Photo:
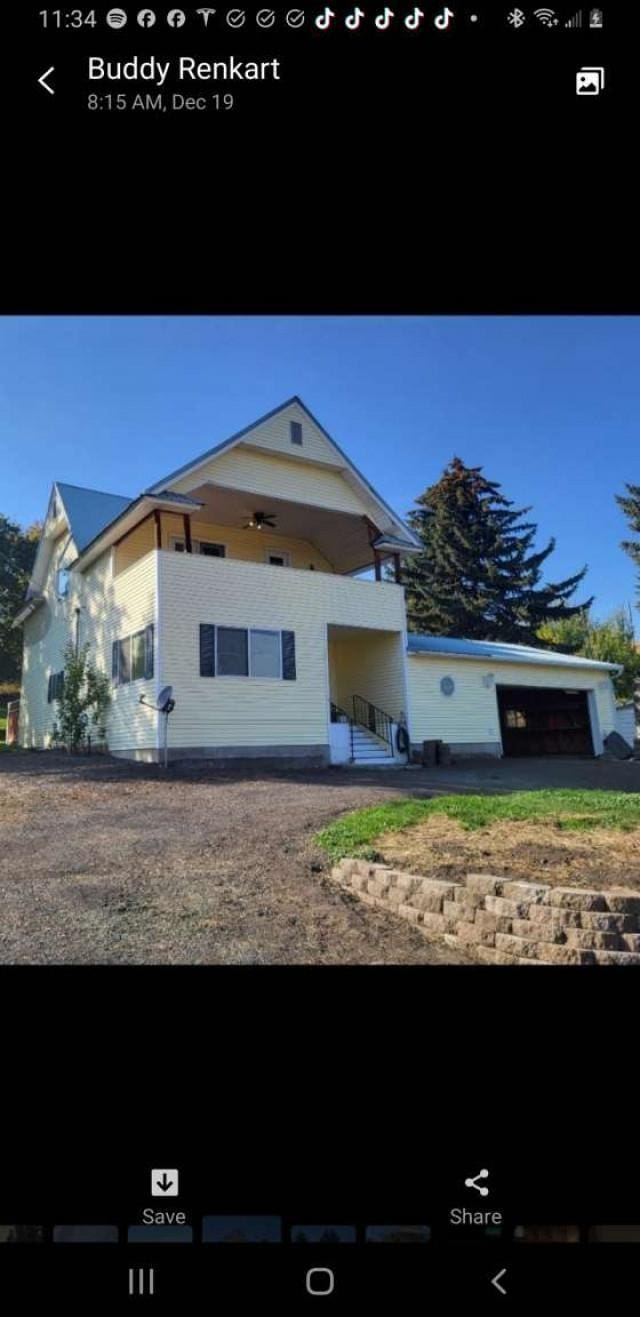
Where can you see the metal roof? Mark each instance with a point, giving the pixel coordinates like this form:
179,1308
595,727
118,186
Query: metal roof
89,511
497,652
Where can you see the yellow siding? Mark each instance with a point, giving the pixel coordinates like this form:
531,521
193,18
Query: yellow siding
109,609
45,635
275,434
276,477
470,715
126,605
370,665
141,540
241,711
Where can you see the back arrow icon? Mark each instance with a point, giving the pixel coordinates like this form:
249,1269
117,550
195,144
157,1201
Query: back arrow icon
497,1278
44,84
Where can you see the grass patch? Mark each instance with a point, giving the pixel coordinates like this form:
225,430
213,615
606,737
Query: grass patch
355,833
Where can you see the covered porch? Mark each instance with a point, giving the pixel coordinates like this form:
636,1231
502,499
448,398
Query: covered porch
368,694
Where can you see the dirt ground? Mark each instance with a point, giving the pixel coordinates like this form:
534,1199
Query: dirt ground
538,852
114,863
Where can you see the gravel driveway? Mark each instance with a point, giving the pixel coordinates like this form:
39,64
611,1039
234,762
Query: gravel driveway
108,862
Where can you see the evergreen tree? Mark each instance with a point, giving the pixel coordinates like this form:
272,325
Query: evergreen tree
609,641
630,504
478,575
17,555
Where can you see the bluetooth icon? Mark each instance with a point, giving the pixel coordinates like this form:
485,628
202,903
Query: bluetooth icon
516,18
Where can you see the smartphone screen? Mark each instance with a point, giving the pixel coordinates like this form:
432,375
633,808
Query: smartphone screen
319,657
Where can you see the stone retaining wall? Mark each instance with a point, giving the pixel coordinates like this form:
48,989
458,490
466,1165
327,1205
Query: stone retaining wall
500,922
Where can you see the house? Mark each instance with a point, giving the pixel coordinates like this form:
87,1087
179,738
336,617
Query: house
251,581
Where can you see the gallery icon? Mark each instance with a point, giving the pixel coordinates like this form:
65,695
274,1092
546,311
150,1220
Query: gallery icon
176,18
146,18
295,18
205,15
265,18
589,81
116,18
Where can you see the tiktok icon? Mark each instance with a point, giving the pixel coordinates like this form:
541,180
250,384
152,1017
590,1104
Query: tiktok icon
413,21
354,20
383,20
325,19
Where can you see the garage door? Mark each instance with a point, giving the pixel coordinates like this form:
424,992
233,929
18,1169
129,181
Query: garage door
539,720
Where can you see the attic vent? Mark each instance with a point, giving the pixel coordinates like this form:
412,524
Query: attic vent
296,433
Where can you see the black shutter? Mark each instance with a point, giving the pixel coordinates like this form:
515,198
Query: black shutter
124,660
50,689
289,655
148,651
115,661
207,650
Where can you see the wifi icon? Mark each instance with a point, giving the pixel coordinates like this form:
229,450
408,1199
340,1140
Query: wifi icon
546,16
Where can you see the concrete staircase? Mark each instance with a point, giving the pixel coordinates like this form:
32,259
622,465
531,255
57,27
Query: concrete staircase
368,750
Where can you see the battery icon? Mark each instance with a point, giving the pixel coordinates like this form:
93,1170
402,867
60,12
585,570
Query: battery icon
595,18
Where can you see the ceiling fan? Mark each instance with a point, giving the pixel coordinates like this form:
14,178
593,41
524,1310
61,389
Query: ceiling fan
260,519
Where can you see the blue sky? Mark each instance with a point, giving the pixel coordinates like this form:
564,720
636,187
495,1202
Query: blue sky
548,406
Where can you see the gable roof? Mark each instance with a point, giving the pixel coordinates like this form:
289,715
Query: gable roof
498,652
88,511
226,444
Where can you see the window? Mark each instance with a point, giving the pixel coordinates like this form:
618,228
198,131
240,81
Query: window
132,658
296,433
62,582
55,687
211,550
516,718
233,660
206,547
265,654
277,558
247,652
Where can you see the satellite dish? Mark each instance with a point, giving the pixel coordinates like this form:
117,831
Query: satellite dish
165,696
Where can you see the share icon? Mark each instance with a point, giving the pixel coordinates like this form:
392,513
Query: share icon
473,1183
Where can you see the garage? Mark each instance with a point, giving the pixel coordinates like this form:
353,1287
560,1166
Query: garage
542,720
492,698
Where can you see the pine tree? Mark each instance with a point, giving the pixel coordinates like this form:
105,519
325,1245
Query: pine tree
630,504
478,575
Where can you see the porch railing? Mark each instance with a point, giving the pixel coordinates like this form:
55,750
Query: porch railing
374,719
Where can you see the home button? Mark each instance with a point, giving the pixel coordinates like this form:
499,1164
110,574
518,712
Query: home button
320,1280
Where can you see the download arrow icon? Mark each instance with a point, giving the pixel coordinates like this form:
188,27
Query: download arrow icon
164,1184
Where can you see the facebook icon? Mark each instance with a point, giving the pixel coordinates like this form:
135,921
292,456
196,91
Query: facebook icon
146,18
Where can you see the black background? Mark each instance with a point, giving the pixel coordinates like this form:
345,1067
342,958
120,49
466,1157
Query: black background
462,180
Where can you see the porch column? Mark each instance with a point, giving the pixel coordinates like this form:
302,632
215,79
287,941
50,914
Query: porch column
186,521
398,567
158,520
377,564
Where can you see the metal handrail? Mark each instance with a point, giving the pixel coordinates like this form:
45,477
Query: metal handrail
374,719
